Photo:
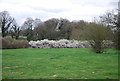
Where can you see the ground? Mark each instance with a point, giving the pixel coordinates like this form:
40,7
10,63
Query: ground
62,63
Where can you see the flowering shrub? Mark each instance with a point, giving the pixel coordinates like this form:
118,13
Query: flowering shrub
63,43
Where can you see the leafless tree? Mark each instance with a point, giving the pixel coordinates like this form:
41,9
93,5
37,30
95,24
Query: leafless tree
15,30
6,21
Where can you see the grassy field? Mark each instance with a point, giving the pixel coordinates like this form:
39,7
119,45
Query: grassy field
79,63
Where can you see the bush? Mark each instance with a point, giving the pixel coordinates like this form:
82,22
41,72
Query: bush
9,43
6,42
63,43
19,44
97,34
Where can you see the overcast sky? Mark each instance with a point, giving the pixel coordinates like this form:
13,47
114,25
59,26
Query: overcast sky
46,9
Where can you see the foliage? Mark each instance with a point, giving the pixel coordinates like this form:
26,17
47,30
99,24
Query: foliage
9,43
112,19
96,34
61,63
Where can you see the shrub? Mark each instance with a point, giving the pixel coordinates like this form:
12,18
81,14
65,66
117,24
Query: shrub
19,44
6,42
9,43
63,43
96,34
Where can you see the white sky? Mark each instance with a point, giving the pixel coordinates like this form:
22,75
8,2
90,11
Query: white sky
46,9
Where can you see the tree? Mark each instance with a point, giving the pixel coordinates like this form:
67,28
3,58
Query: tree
6,21
111,19
77,28
118,28
96,34
15,30
28,27
48,29
50,26
40,32
64,29
37,22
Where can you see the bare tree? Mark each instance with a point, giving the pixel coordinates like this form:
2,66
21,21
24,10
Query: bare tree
109,19
6,21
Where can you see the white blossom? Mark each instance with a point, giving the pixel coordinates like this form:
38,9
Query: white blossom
63,43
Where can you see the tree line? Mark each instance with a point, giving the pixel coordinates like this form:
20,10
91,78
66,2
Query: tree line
106,27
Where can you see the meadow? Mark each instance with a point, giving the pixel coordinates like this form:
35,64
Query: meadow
62,63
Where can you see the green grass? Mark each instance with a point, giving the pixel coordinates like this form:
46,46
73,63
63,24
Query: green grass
0,64
75,63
